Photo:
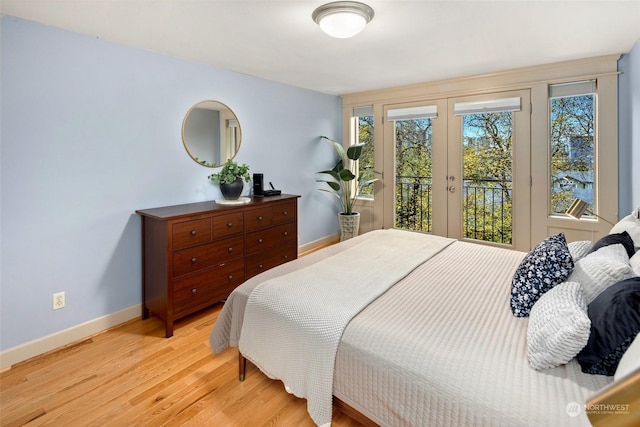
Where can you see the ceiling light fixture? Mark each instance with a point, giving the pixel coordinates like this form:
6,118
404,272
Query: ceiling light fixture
343,19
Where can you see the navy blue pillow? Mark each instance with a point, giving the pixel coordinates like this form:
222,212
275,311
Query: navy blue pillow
617,238
548,264
615,322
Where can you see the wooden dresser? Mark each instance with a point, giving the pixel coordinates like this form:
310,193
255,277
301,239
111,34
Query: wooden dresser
194,255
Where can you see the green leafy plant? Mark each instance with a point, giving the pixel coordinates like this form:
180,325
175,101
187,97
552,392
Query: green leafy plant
230,172
343,183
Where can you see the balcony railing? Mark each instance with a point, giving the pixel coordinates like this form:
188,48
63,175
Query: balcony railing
413,203
487,213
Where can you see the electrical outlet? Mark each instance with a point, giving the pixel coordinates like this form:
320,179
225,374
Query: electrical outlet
58,300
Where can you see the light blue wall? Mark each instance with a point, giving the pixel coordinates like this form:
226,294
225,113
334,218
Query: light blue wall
90,132
629,130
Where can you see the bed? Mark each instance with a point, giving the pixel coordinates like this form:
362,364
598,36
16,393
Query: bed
441,346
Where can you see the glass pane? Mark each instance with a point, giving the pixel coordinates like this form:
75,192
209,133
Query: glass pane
572,151
413,174
365,163
487,177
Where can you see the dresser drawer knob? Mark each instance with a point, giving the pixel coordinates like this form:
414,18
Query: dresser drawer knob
230,250
230,278
229,224
286,256
193,291
193,232
260,218
260,266
260,240
286,233
285,213
193,260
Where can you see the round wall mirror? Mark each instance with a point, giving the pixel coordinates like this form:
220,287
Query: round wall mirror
211,133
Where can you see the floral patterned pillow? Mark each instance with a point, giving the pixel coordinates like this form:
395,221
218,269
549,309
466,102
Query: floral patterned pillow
548,264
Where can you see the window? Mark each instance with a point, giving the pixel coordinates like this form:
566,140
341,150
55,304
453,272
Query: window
488,176
363,119
487,149
572,144
413,166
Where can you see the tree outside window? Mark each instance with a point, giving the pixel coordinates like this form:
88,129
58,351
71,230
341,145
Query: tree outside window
572,151
365,163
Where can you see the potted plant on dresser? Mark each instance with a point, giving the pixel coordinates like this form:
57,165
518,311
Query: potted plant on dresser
230,179
346,186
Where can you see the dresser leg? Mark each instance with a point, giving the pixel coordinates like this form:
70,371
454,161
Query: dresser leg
242,366
168,329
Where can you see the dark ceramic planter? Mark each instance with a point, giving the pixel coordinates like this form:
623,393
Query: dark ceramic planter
232,191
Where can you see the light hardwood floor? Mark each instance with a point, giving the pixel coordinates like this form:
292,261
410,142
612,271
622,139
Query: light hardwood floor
132,376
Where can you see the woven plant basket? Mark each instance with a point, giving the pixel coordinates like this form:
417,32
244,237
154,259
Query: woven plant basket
349,225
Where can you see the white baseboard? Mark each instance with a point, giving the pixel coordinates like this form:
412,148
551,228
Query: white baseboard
331,238
59,339
75,333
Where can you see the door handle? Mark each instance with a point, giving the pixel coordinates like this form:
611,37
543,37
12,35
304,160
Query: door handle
452,189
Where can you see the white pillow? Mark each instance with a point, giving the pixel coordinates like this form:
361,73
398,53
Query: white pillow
632,226
601,269
635,263
579,249
630,360
559,326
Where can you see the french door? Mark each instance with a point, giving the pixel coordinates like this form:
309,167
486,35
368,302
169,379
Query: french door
460,168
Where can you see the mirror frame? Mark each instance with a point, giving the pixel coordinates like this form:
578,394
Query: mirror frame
238,142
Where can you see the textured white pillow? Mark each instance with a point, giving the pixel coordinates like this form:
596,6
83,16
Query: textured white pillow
558,327
601,269
635,263
579,249
631,226
630,360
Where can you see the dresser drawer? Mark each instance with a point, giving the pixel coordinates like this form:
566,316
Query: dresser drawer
189,233
285,212
203,256
262,261
263,239
201,290
228,225
255,219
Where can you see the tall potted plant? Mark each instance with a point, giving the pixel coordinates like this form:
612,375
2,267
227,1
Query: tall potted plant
346,186
230,179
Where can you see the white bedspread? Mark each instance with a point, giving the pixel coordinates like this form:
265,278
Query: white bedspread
441,348
293,324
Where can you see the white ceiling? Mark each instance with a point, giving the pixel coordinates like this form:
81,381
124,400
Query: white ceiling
407,41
